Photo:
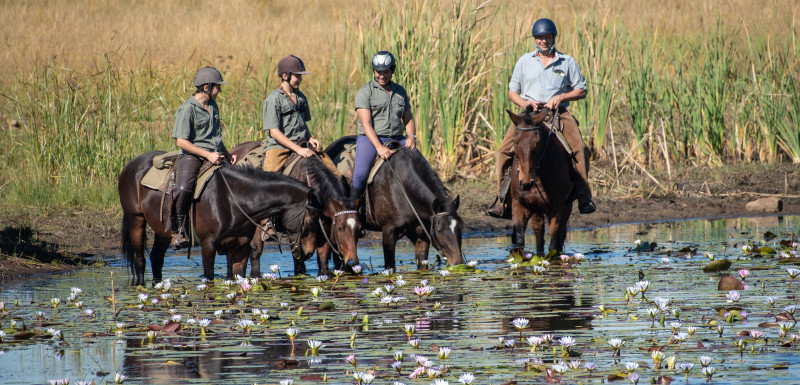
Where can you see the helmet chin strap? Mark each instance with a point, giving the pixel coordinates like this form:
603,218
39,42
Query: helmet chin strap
549,51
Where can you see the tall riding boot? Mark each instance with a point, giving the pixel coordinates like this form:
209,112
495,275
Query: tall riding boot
357,195
181,203
501,208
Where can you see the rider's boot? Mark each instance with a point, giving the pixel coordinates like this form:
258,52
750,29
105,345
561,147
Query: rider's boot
181,203
501,208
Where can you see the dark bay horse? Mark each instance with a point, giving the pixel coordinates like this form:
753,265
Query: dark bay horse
407,198
540,181
220,215
340,225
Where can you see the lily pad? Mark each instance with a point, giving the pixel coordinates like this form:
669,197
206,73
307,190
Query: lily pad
717,266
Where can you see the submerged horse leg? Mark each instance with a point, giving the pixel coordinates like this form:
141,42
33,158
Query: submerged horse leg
323,255
421,249
160,245
558,228
209,253
256,248
136,232
519,219
389,245
238,261
537,225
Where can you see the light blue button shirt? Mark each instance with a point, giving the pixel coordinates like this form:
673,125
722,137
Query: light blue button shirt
532,81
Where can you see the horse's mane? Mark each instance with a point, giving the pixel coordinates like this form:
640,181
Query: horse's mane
328,185
423,177
257,175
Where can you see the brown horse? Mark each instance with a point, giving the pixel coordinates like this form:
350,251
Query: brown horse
232,198
339,219
540,181
407,198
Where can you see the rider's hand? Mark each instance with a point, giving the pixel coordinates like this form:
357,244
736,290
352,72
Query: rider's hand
314,144
554,102
215,157
534,104
384,152
411,142
306,152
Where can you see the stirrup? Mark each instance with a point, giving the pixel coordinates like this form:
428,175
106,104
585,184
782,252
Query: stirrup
497,210
179,241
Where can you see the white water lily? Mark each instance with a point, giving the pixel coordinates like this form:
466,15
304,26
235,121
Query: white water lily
631,366
520,323
444,353
466,378
119,378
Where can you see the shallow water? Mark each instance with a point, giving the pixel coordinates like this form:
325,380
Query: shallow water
475,311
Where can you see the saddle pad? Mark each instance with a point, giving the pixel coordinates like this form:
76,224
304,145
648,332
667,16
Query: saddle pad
166,160
346,160
293,159
157,179
254,158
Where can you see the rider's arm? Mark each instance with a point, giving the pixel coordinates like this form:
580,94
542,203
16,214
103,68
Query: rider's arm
518,100
411,129
186,145
555,101
286,142
365,117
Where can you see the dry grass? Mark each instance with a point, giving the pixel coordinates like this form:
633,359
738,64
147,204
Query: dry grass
235,34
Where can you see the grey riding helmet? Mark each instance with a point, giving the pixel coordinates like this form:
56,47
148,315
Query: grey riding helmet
208,75
383,61
544,26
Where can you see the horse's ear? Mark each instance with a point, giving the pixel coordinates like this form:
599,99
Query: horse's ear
457,201
514,117
436,206
313,200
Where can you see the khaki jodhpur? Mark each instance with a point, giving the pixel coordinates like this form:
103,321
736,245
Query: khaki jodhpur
573,135
275,159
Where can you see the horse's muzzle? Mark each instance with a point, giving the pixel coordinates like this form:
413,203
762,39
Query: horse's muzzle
351,263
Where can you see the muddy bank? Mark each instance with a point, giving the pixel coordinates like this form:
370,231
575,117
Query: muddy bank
38,242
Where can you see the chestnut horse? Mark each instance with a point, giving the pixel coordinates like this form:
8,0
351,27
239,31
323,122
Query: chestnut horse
407,198
540,181
339,219
232,200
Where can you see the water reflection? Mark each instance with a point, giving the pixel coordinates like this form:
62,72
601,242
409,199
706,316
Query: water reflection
475,310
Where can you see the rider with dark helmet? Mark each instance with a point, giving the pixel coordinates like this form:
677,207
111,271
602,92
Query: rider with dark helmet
197,133
384,113
547,78
286,113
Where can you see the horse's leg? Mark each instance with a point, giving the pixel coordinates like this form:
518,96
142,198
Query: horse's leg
228,266
421,249
323,254
160,245
299,266
136,232
537,225
209,253
256,247
519,220
238,258
389,245
558,228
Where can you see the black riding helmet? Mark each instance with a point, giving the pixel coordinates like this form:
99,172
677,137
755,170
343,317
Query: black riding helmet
384,60
544,26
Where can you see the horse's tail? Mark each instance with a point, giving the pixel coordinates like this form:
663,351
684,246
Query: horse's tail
127,245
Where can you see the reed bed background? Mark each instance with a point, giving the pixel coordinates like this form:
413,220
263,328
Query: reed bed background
86,86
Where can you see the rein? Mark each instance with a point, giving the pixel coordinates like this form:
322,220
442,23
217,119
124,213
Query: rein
263,229
434,243
333,221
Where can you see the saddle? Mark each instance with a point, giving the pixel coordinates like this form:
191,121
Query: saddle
345,160
161,176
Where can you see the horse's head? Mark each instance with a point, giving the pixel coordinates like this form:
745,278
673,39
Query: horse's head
345,228
301,221
528,143
446,227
